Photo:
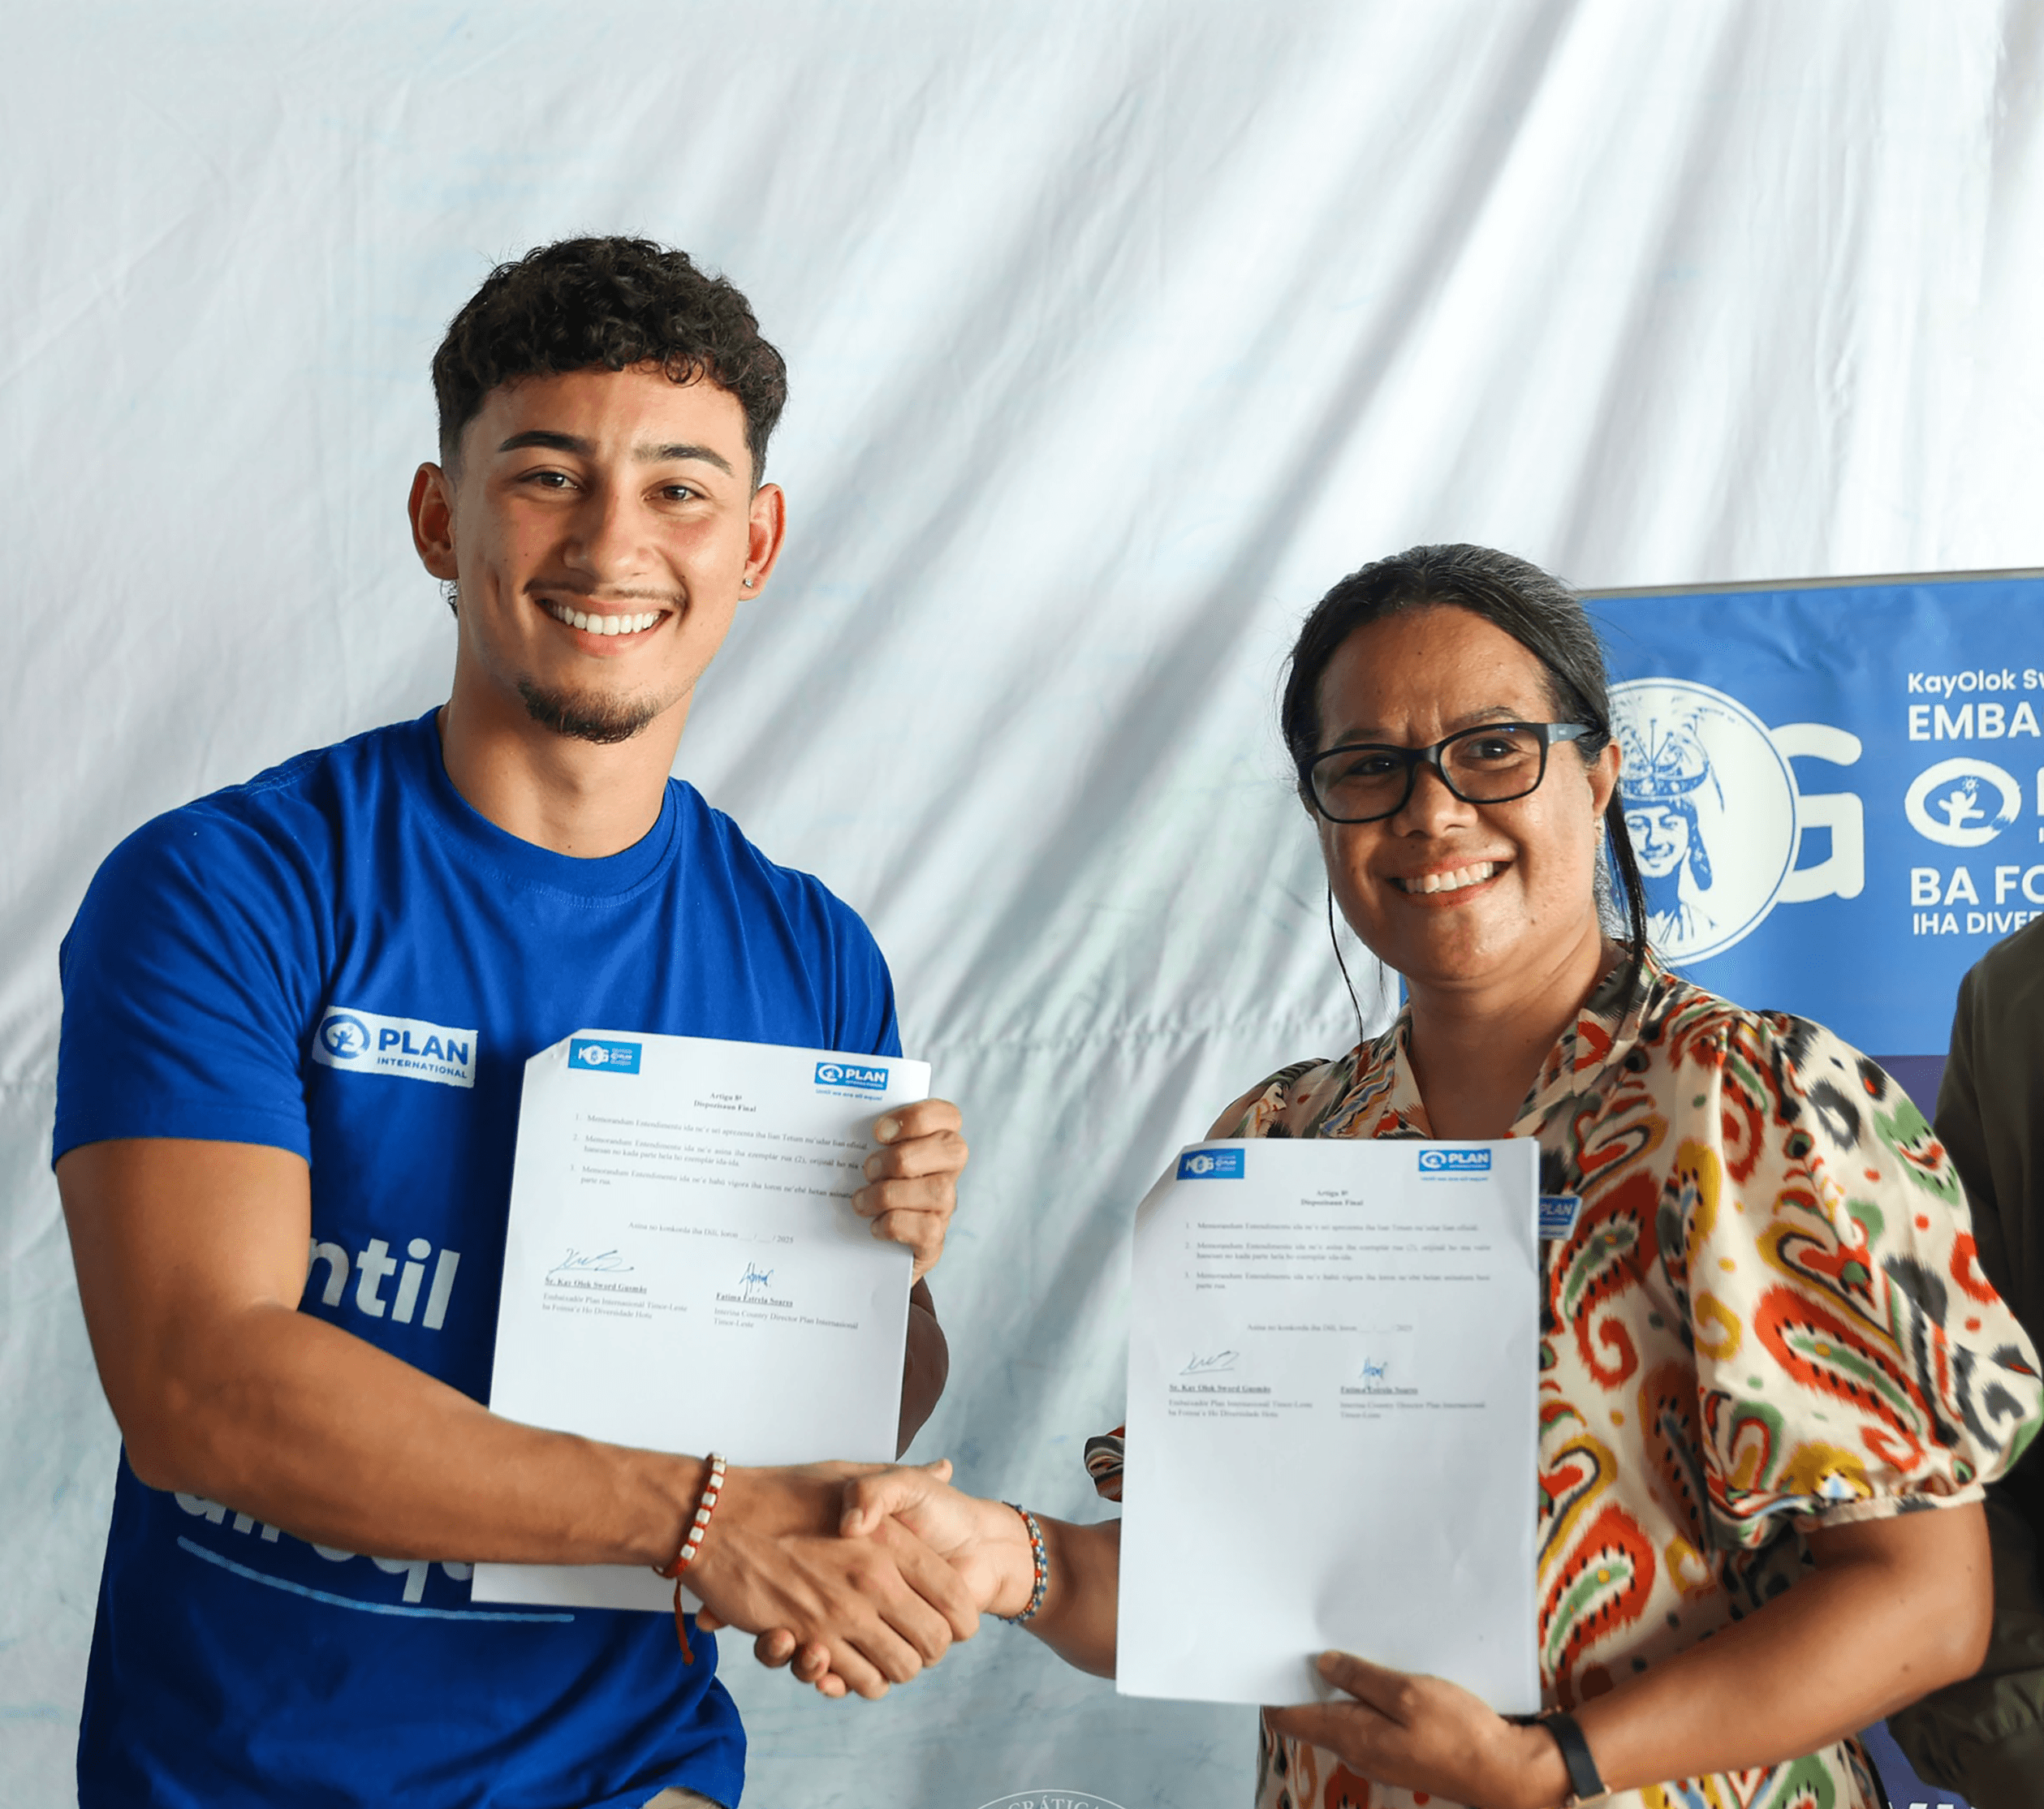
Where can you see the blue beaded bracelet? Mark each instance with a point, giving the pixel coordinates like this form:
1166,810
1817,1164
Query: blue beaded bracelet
1043,1567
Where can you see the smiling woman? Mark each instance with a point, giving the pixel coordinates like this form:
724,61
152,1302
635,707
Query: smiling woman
1752,1370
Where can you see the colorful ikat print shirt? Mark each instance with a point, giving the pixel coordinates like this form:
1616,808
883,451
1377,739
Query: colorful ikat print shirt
1768,1319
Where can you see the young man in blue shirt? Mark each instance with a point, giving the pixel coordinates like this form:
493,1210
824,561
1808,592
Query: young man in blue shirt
513,866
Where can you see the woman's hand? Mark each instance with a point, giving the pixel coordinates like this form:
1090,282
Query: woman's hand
985,1542
1425,1734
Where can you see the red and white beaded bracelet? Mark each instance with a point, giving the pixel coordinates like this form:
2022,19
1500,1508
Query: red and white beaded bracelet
705,1506
692,1543
1040,1563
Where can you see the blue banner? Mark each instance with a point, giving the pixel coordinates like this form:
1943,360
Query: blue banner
1836,792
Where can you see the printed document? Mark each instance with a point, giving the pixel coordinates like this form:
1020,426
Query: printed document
1333,1361
684,1271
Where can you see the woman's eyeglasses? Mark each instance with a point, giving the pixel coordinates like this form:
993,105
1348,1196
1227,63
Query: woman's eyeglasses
1363,781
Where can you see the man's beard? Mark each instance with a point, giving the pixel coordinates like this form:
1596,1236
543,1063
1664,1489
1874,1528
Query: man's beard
587,716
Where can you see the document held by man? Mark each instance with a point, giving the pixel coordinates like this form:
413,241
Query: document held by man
683,1269
1333,1365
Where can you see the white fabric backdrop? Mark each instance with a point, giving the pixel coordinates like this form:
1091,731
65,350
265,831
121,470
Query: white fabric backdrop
1117,332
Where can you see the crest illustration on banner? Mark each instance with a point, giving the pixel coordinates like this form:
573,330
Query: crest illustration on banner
1717,817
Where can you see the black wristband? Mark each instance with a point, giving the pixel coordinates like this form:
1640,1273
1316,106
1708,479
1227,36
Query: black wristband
1584,1781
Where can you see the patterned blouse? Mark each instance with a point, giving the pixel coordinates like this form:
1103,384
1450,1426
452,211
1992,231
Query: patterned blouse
1767,1319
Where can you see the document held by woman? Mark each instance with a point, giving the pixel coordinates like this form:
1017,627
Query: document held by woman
683,1270
1333,1365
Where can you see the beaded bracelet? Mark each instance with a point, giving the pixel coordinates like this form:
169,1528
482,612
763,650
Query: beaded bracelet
1041,1562
692,1543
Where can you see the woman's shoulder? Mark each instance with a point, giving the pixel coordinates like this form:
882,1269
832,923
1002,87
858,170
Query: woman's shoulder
1678,1011
1802,1068
1252,1113
1298,1098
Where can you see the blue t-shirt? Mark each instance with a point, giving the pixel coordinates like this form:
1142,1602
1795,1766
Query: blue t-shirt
341,957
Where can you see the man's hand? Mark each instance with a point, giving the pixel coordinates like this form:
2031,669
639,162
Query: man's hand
1425,1734
878,1608
911,1179
985,1543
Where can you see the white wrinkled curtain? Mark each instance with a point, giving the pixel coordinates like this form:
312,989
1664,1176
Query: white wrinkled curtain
1118,331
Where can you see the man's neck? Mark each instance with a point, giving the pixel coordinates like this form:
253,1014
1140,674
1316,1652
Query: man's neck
574,797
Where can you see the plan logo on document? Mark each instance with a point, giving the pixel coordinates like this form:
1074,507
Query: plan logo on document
851,1073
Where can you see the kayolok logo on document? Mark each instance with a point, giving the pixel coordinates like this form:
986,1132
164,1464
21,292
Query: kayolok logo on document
408,1048
851,1073
1211,1164
602,1056
1438,1163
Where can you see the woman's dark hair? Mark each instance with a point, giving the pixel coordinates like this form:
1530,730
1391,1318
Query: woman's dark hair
607,303
1539,611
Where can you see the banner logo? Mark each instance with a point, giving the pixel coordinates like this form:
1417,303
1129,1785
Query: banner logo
1950,803
1211,1164
1716,818
604,1057
848,1074
1908,830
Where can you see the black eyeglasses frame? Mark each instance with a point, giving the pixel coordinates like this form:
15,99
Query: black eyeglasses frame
1550,733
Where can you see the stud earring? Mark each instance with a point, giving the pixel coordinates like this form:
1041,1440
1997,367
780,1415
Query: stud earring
745,584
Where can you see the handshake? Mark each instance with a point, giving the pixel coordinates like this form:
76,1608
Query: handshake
858,1575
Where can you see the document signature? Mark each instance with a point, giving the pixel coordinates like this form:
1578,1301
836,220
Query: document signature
1376,1369
583,1262
1219,1363
756,1280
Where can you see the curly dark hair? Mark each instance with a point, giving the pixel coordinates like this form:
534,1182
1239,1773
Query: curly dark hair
585,304
1536,608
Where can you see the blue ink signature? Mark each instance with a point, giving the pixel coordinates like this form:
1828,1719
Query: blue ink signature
1215,1365
1375,1371
603,1262
755,1278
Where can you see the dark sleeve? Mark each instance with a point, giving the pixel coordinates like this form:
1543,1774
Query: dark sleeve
1962,1128
926,1365
189,981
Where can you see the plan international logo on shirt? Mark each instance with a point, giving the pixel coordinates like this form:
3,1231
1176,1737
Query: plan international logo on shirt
408,1048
